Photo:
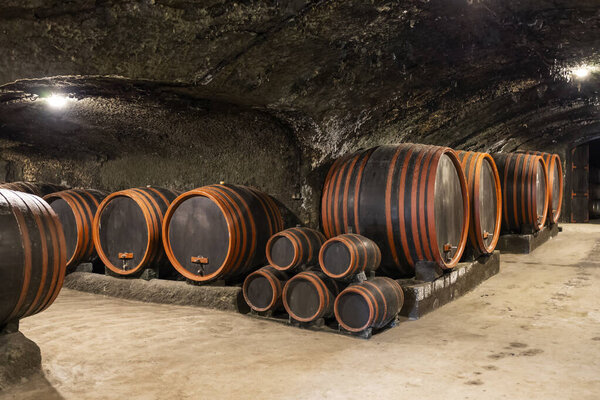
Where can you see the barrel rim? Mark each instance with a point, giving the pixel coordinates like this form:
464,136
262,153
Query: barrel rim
203,191
314,279
354,289
129,193
498,224
540,226
343,238
297,250
555,159
260,273
451,153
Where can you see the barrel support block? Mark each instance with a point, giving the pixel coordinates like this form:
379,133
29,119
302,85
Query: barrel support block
525,244
20,358
421,298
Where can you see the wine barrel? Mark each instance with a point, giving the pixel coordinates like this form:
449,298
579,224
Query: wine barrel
410,199
525,195
127,229
555,184
262,289
309,296
294,247
220,231
76,209
32,249
38,189
485,196
370,304
594,208
349,254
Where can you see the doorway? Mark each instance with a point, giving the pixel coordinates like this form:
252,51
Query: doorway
585,182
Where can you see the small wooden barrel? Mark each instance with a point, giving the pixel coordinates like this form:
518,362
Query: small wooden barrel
33,256
555,184
220,231
349,254
410,199
38,189
263,288
525,193
485,195
309,296
127,229
76,209
294,247
370,304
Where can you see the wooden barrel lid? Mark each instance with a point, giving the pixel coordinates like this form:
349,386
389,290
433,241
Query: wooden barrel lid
123,229
556,183
353,309
540,190
488,202
198,229
449,208
69,223
259,292
337,258
302,298
282,251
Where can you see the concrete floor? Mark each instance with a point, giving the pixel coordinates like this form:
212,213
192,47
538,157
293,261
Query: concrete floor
531,332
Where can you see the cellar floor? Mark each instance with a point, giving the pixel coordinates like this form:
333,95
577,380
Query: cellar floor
533,331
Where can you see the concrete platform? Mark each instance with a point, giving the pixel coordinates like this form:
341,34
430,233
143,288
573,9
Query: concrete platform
20,358
421,298
525,244
228,298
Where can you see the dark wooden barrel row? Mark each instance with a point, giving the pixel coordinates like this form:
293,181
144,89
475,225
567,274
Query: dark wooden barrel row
38,189
370,304
263,288
555,184
294,247
525,193
33,254
349,254
410,199
310,295
485,196
220,231
127,229
76,209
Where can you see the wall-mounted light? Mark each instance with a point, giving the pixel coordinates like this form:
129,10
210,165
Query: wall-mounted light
582,72
57,101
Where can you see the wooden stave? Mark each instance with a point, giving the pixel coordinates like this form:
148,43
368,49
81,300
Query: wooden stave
154,202
380,293
395,263
42,254
229,200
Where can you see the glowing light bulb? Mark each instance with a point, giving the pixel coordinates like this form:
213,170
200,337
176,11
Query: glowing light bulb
57,101
581,72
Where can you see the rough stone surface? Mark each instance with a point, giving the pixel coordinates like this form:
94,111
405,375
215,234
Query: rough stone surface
525,244
20,358
421,298
228,298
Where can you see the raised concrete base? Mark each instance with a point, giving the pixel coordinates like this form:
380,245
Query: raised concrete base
228,298
20,358
525,244
423,297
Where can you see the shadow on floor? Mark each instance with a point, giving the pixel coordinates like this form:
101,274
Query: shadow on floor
33,388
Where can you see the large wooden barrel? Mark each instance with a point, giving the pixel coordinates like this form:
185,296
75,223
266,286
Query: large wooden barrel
309,296
370,304
555,184
32,249
294,247
525,193
76,209
349,254
485,196
410,199
38,189
220,231
262,289
127,229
